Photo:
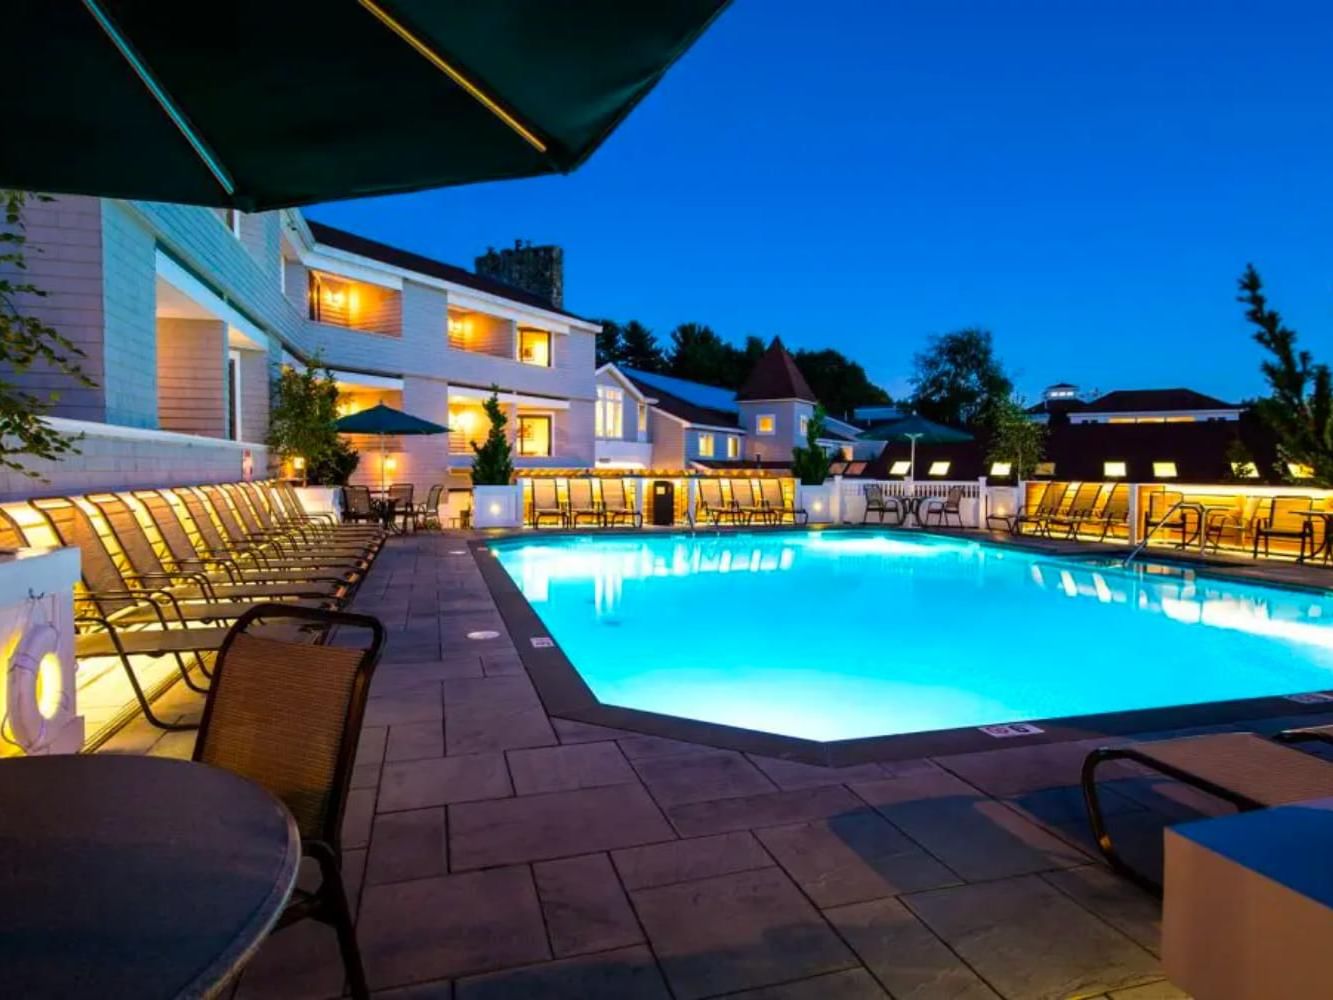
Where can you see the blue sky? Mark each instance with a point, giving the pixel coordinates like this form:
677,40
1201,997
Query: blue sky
1085,180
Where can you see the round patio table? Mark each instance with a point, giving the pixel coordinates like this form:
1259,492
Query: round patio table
127,876
912,509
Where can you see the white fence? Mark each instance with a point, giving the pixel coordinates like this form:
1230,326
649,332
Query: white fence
973,503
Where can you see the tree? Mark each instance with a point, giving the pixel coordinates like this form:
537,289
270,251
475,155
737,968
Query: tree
610,350
958,379
302,412
838,382
700,355
639,348
26,341
1015,437
1299,408
810,464
492,461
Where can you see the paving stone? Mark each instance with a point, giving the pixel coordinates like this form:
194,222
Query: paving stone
300,962
438,781
696,819
570,731
487,729
999,928
685,860
501,664
910,961
366,776
977,837
584,905
853,857
854,984
440,990
405,706
1162,990
795,774
554,825
445,927
700,777
1025,769
370,744
415,740
736,932
407,845
495,692
642,747
627,974
559,768
357,817
406,673
1118,901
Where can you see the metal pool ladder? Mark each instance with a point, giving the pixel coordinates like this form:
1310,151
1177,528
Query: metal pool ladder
1134,552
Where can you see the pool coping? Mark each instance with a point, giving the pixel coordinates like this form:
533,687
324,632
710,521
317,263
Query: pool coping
565,694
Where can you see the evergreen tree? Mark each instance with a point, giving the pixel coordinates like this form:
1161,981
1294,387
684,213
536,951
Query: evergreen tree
492,461
959,380
610,350
700,355
838,382
810,464
1299,408
639,348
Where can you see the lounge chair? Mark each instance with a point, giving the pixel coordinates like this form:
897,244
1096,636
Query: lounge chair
1038,515
1286,517
1113,513
945,507
744,500
583,502
288,717
1244,769
709,505
273,514
256,525
1083,505
618,504
546,503
776,505
880,503
1164,514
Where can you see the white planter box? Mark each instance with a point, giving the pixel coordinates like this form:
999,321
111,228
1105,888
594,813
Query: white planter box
497,506
819,502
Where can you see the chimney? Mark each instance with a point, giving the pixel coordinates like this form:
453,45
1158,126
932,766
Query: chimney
538,271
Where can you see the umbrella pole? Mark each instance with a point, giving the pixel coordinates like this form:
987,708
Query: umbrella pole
912,476
382,486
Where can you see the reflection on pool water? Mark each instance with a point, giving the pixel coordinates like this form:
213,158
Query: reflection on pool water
845,634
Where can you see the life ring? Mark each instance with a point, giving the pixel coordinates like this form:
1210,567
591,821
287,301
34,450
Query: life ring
26,719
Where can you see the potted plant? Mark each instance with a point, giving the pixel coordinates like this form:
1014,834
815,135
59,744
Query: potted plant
810,464
497,501
301,434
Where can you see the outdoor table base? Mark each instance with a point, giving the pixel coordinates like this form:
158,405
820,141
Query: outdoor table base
127,876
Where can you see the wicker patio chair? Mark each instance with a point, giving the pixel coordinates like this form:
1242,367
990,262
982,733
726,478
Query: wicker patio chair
945,507
879,502
546,503
357,507
288,717
770,495
583,502
619,505
1287,517
1244,769
400,496
427,515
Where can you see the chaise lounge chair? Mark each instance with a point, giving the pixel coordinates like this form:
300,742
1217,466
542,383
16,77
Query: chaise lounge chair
776,505
709,506
583,502
618,505
1048,505
744,500
546,503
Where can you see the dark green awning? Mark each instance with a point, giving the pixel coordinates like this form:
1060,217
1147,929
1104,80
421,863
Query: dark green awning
288,102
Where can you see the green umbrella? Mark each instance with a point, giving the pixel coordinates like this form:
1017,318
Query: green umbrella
380,419
916,428
253,104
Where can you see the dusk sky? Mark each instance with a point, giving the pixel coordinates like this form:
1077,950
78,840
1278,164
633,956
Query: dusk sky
1085,180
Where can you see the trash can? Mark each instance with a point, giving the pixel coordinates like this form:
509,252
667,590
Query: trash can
664,502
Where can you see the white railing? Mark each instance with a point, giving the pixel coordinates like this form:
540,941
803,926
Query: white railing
972,508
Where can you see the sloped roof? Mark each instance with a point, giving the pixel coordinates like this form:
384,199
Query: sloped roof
692,402
775,376
341,239
1138,400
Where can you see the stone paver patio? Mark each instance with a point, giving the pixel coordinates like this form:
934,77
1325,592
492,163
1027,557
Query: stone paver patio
494,852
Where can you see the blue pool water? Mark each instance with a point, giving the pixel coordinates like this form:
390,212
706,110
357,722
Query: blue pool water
846,634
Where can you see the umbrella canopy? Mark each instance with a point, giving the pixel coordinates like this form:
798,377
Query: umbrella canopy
916,428
380,419
256,105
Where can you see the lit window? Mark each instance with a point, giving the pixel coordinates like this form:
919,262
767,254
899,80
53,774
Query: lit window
1180,420
609,416
1113,470
733,447
900,468
1299,470
939,469
705,446
1001,468
459,328
643,419
1044,469
1164,470
534,436
805,426
534,347
1244,470
765,423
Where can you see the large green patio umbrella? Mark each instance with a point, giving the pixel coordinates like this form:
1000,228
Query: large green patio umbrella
256,104
916,428
385,420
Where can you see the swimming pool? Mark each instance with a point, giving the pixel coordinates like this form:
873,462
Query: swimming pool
845,634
